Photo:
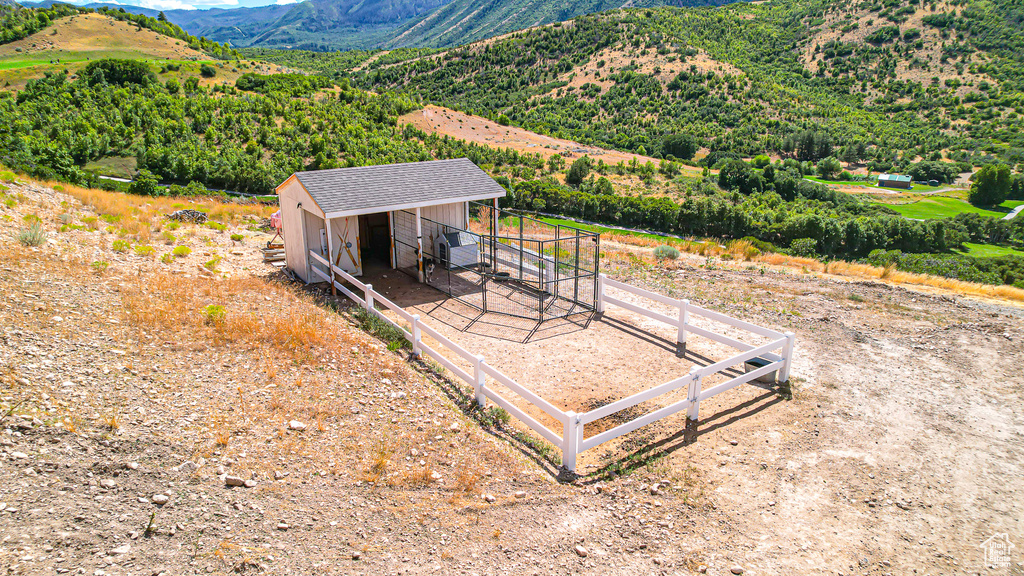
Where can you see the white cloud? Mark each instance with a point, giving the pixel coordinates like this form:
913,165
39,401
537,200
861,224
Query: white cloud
284,2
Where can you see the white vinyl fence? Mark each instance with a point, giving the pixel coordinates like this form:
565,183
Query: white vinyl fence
571,440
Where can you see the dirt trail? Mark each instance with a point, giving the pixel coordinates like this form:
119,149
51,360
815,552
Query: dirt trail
440,120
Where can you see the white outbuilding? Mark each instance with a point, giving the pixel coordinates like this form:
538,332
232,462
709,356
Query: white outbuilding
390,213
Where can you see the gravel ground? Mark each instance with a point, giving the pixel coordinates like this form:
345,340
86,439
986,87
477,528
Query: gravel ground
145,432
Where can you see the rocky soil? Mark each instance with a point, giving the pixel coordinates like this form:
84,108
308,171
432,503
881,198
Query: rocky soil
159,419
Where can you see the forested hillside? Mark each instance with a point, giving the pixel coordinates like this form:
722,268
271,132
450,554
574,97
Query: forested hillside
881,82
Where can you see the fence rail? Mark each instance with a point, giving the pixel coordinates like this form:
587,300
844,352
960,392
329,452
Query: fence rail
572,441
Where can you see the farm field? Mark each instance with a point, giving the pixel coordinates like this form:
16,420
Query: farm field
989,250
945,207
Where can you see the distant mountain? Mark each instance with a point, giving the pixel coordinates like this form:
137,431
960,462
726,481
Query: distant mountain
464,21
327,25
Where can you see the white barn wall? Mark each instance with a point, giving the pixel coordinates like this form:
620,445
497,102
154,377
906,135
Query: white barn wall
290,195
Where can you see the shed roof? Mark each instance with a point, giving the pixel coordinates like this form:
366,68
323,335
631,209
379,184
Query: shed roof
368,189
893,178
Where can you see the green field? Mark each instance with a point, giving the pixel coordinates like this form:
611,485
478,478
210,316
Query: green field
989,250
944,207
873,186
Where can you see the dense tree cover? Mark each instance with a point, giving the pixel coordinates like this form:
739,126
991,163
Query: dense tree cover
249,142
115,71
991,185
17,22
806,218
850,103
291,84
335,63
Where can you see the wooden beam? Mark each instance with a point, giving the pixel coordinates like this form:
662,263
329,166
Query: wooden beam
419,244
330,255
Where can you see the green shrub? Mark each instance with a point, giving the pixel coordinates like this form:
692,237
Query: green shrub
215,314
237,237
32,235
807,247
381,329
100,265
8,176
216,226
121,245
666,252
167,258
211,264
181,251
144,251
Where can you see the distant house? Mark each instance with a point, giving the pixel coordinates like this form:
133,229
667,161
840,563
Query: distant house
894,181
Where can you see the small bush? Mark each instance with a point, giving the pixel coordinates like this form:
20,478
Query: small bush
211,264
216,226
145,251
237,237
32,235
215,314
100,265
30,218
173,224
121,245
181,251
807,247
381,329
8,176
167,258
666,252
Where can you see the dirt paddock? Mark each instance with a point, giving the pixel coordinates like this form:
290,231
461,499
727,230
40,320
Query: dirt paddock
584,361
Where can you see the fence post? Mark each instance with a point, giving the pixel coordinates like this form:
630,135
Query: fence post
684,318
416,335
369,297
570,442
478,387
600,292
695,377
787,355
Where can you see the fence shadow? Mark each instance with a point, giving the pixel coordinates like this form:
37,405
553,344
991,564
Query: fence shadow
689,435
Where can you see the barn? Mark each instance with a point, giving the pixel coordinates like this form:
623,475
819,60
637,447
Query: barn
895,181
439,222
352,215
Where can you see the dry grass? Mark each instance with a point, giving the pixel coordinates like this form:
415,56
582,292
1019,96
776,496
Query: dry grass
140,217
741,250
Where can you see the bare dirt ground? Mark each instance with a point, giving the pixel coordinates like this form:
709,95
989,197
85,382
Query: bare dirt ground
440,120
898,451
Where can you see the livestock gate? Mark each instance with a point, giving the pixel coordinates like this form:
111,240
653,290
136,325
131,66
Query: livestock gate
504,262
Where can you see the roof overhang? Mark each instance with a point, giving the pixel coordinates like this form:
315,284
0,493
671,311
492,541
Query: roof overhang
424,204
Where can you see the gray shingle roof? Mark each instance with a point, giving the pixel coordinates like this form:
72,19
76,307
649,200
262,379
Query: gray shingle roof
365,188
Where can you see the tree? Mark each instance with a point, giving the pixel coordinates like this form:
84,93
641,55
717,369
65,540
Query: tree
207,71
991,185
145,184
829,167
931,170
578,171
161,17
682,146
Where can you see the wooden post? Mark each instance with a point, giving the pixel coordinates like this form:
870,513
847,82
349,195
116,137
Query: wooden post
570,441
419,245
787,355
391,231
684,318
416,335
695,380
480,377
330,255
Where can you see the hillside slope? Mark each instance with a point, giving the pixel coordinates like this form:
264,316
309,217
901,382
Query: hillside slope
876,82
84,36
